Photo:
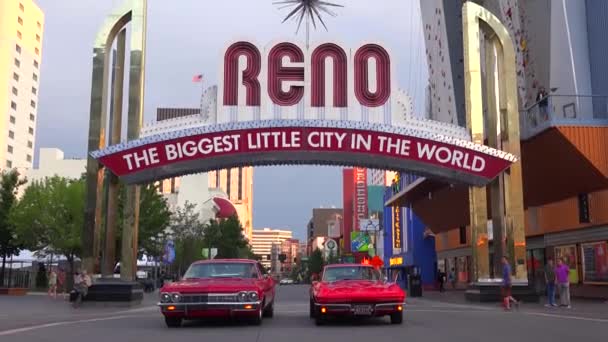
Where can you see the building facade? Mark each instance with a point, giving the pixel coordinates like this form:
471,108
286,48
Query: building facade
21,35
325,223
262,244
561,50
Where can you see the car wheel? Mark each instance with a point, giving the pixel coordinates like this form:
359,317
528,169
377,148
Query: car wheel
312,312
269,310
258,318
319,320
397,318
173,322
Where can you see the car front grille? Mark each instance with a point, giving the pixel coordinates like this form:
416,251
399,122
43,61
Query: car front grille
209,298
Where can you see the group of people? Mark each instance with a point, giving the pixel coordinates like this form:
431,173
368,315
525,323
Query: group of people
82,282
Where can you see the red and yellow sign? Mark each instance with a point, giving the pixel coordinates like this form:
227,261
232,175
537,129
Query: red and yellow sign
397,228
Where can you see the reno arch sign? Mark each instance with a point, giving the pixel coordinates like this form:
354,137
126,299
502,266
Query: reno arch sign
285,105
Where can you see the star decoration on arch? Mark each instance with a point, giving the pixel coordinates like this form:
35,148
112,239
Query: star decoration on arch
311,10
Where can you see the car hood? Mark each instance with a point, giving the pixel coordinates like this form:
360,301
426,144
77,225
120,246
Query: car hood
359,290
216,285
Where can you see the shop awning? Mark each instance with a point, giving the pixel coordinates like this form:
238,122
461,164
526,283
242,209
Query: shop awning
420,188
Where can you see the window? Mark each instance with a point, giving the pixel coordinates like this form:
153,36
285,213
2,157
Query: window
13,105
217,179
11,134
28,158
16,76
34,90
35,77
463,235
9,149
30,144
9,164
17,63
583,208
19,35
37,51
228,181
33,104
20,21
21,7
36,64
15,91
31,130
32,117
18,48
39,25
240,186
13,120
38,38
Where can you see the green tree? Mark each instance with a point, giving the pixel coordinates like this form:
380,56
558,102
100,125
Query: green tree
188,236
50,215
227,237
9,244
316,262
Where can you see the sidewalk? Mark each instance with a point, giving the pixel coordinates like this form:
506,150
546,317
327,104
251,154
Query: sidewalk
580,307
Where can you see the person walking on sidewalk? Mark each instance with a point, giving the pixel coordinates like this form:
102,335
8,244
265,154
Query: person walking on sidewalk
506,285
52,284
562,272
550,281
441,279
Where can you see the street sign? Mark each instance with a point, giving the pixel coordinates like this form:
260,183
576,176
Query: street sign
369,225
331,244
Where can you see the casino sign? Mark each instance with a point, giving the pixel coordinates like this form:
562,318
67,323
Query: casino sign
283,104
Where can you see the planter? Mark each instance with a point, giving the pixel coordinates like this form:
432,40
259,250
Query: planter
13,292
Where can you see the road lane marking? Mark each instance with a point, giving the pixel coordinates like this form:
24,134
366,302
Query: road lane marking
56,324
601,320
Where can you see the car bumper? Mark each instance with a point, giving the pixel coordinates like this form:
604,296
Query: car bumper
350,309
203,310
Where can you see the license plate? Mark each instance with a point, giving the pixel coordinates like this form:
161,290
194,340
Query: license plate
363,310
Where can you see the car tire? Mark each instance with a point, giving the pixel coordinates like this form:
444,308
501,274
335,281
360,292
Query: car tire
312,312
397,318
173,322
258,318
319,320
269,310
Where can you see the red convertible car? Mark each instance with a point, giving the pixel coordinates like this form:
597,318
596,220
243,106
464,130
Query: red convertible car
229,288
355,291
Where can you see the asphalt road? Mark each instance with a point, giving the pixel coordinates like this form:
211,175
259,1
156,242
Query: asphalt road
35,319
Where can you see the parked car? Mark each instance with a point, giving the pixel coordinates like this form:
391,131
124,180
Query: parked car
226,288
354,290
286,281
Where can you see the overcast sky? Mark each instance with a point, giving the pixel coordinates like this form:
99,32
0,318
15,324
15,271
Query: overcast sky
185,38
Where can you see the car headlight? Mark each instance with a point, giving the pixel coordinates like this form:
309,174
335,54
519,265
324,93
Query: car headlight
242,297
253,296
176,297
165,298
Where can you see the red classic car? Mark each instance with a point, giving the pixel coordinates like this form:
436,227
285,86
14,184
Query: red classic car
355,290
228,288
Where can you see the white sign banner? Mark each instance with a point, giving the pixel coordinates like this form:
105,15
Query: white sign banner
369,225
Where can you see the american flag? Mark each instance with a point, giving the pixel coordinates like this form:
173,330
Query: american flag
197,78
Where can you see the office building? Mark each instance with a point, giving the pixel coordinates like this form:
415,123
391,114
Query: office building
21,34
263,240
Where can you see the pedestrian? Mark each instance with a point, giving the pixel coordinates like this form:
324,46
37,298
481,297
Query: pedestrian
52,292
507,284
61,282
441,279
550,281
81,286
562,275
452,278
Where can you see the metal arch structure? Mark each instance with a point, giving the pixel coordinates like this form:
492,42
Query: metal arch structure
507,190
103,146
133,12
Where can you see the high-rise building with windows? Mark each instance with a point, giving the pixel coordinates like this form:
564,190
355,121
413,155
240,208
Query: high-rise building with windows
21,33
263,241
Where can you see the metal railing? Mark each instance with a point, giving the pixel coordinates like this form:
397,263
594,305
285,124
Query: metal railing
564,110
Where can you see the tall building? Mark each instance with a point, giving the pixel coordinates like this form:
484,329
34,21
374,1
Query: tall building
238,184
381,177
263,240
559,47
21,33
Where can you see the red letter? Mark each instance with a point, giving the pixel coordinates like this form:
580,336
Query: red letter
277,74
383,76
340,78
250,74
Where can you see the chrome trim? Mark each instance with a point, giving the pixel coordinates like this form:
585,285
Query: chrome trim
210,304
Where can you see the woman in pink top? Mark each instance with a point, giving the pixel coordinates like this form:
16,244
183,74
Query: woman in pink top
562,273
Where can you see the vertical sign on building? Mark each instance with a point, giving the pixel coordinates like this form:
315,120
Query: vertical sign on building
397,243
360,203
348,197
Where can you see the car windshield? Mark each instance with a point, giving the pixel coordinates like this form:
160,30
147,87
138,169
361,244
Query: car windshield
221,270
350,273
